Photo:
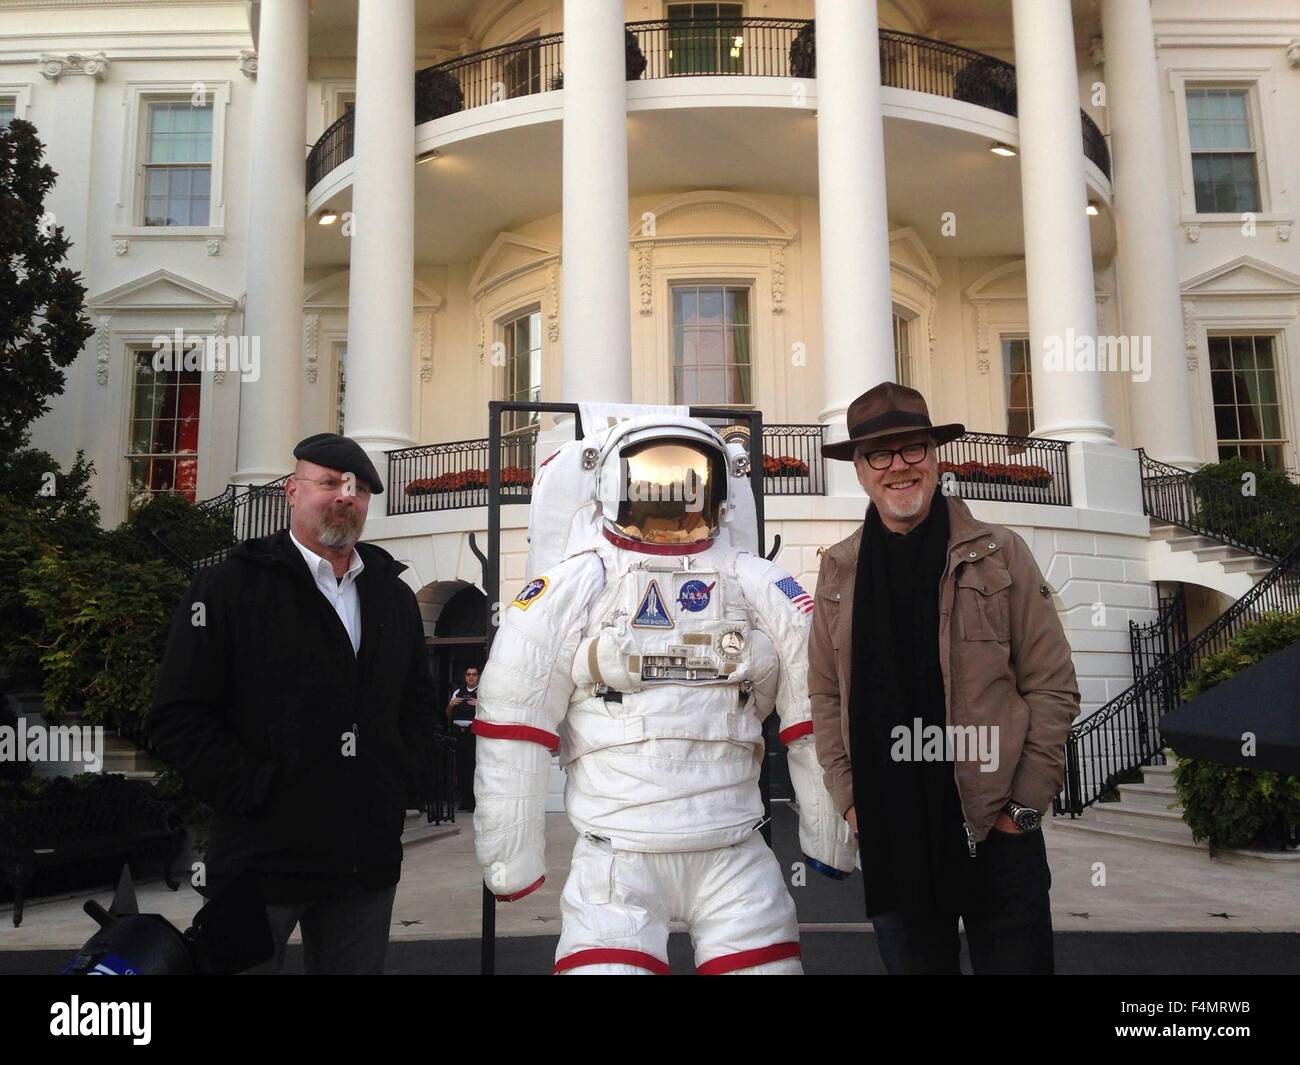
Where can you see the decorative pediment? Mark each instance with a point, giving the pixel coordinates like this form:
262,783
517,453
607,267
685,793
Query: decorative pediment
1244,276
331,293
508,256
1005,282
161,291
910,256
709,217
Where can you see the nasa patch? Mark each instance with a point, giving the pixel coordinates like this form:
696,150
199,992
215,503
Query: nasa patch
530,593
695,595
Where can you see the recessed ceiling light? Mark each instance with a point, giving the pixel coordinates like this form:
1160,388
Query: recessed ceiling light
326,218
998,148
1093,209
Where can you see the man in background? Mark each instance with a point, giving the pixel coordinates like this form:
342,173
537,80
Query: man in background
460,711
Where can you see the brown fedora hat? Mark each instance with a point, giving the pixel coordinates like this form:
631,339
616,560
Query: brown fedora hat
888,410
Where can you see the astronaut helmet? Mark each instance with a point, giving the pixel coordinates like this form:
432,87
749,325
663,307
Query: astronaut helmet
664,484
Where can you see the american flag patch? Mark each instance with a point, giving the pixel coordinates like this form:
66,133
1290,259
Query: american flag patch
791,590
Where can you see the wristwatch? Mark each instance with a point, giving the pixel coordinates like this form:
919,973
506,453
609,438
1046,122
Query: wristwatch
1026,817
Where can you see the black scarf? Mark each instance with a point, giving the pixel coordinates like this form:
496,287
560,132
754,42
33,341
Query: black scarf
908,813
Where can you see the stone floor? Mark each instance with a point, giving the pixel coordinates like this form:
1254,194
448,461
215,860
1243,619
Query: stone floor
1100,884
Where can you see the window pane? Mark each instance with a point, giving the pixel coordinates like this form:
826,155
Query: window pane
684,306
1220,353
1221,386
710,347
1270,422
1225,423
710,306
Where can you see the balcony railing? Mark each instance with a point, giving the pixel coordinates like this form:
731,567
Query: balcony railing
1007,469
988,466
671,48
454,475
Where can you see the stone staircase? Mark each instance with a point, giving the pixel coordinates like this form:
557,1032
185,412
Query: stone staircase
1233,560
123,756
1151,813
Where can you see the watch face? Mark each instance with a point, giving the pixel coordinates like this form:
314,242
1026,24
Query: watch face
1027,820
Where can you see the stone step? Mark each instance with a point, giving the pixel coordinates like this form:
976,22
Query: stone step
1159,774
1121,813
1253,565
1167,836
1160,834
1150,796
1186,541
1164,530
1221,553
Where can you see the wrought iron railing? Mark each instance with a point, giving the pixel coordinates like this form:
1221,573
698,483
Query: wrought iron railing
333,148
792,460
1125,733
669,48
1008,469
244,511
1152,643
1266,527
454,475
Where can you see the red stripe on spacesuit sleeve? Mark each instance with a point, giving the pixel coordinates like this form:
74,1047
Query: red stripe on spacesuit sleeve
787,736
613,956
491,731
515,895
746,959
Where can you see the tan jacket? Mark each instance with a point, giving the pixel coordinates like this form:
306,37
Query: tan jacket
1004,657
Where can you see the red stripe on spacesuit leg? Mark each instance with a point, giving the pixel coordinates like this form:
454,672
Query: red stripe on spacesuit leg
491,731
746,959
516,895
787,736
613,956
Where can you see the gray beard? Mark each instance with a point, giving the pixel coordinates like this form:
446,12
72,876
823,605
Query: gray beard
337,536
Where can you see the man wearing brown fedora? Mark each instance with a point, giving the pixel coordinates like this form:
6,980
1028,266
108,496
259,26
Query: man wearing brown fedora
942,692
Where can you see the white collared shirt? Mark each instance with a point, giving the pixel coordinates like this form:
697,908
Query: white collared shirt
341,593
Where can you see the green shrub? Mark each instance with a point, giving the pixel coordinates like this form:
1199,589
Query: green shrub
1268,520
1232,806
102,631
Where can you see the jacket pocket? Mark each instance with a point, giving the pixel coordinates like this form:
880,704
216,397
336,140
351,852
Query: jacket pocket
984,602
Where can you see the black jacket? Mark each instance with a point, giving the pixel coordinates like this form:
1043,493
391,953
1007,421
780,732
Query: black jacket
255,705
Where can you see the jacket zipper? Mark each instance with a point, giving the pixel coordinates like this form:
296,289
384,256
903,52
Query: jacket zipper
965,825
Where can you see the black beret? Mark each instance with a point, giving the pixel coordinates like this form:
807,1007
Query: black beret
340,453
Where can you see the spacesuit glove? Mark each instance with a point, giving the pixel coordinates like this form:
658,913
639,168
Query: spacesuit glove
603,659
825,837
509,815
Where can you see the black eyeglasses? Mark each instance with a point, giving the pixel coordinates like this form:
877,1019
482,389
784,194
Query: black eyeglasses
883,458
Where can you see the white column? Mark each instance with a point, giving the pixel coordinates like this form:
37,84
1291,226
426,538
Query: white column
595,316
1147,263
1068,403
857,331
268,407
377,412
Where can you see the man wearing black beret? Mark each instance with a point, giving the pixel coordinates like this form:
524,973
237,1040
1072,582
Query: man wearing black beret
295,699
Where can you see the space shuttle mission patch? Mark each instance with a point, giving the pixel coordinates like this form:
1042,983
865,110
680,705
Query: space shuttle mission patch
530,593
652,614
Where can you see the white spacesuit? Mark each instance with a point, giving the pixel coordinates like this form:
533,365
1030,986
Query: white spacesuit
648,650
